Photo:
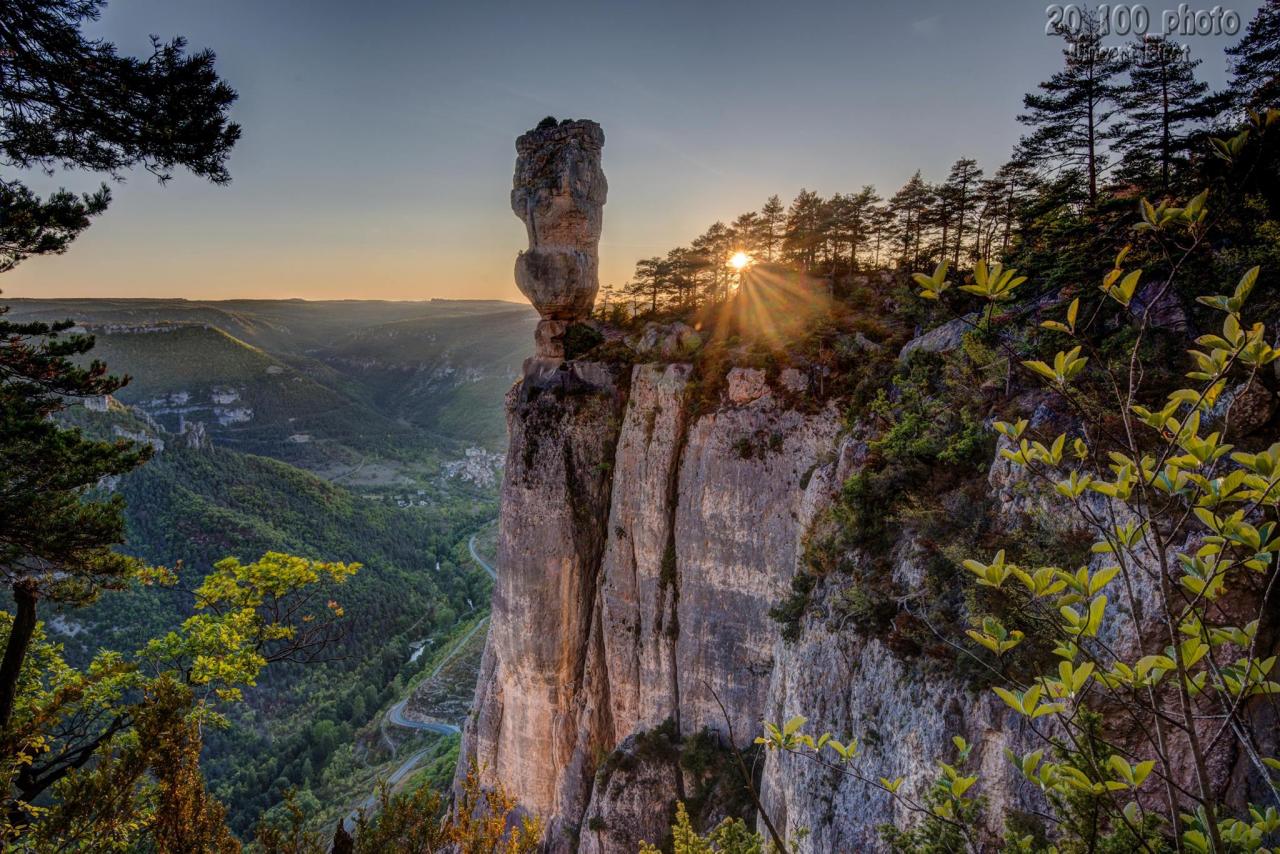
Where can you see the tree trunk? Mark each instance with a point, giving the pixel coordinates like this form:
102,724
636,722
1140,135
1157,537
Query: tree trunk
946,220
1092,155
15,651
1165,145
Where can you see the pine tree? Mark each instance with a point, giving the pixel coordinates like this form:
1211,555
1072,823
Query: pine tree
1255,60
840,226
683,267
1071,116
746,233
803,234
940,215
652,280
1000,197
772,217
72,102
1163,105
863,217
959,190
910,205
847,226
68,101
55,539
882,224
714,246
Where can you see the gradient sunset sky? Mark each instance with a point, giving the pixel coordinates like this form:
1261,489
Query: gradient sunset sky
379,137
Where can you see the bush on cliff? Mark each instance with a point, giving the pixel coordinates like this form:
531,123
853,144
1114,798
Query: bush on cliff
1162,667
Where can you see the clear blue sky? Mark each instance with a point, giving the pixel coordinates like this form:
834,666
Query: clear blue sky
379,136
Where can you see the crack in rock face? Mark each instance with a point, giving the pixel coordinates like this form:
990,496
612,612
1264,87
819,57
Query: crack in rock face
559,192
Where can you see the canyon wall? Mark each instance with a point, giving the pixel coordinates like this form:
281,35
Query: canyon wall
645,535
656,511
650,521
642,546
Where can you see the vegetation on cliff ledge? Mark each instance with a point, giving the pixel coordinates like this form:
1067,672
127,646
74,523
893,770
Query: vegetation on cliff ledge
1113,346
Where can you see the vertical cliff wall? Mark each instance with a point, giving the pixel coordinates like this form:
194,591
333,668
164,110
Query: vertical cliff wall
648,526
645,535
642,546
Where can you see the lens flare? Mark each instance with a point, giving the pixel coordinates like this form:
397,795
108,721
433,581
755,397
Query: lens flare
740,261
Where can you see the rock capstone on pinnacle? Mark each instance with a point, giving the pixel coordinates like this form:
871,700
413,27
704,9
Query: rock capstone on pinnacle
559,192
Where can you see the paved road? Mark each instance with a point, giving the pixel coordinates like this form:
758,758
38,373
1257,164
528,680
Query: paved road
395,715
399,774
471,546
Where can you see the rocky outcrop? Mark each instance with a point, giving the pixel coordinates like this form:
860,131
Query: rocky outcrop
644,537
631,799
666,341
942,339
1160,306
647,530
563,425
847,683
193,435
559,191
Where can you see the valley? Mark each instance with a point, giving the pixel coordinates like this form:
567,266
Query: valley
373,394
368,432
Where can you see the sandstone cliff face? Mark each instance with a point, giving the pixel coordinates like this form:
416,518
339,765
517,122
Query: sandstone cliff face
647,530
642,547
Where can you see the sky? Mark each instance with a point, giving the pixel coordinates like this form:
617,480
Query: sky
379,137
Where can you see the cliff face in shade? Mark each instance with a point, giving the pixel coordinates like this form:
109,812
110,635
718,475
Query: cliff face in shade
648,526
642,546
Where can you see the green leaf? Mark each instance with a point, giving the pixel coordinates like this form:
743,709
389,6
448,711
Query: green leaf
892,785
960,785
1247,281
790,727
1123,293
1011,699
1097,608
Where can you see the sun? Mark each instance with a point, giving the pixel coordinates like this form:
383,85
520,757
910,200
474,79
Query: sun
740,260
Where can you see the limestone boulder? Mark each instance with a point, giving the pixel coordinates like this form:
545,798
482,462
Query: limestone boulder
559,191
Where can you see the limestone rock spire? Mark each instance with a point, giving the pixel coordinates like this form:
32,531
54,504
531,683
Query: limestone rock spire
559,192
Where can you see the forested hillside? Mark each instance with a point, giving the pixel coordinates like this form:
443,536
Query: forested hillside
190,506
363,432
335,431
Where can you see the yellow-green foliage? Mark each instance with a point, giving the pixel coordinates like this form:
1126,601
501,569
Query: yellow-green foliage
109,754
481,822
731,836
1166,497
248,614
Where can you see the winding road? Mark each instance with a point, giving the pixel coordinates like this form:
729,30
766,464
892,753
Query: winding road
396,776
471,547
395,715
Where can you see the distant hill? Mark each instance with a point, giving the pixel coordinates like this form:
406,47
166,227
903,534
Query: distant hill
377,394
442,371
